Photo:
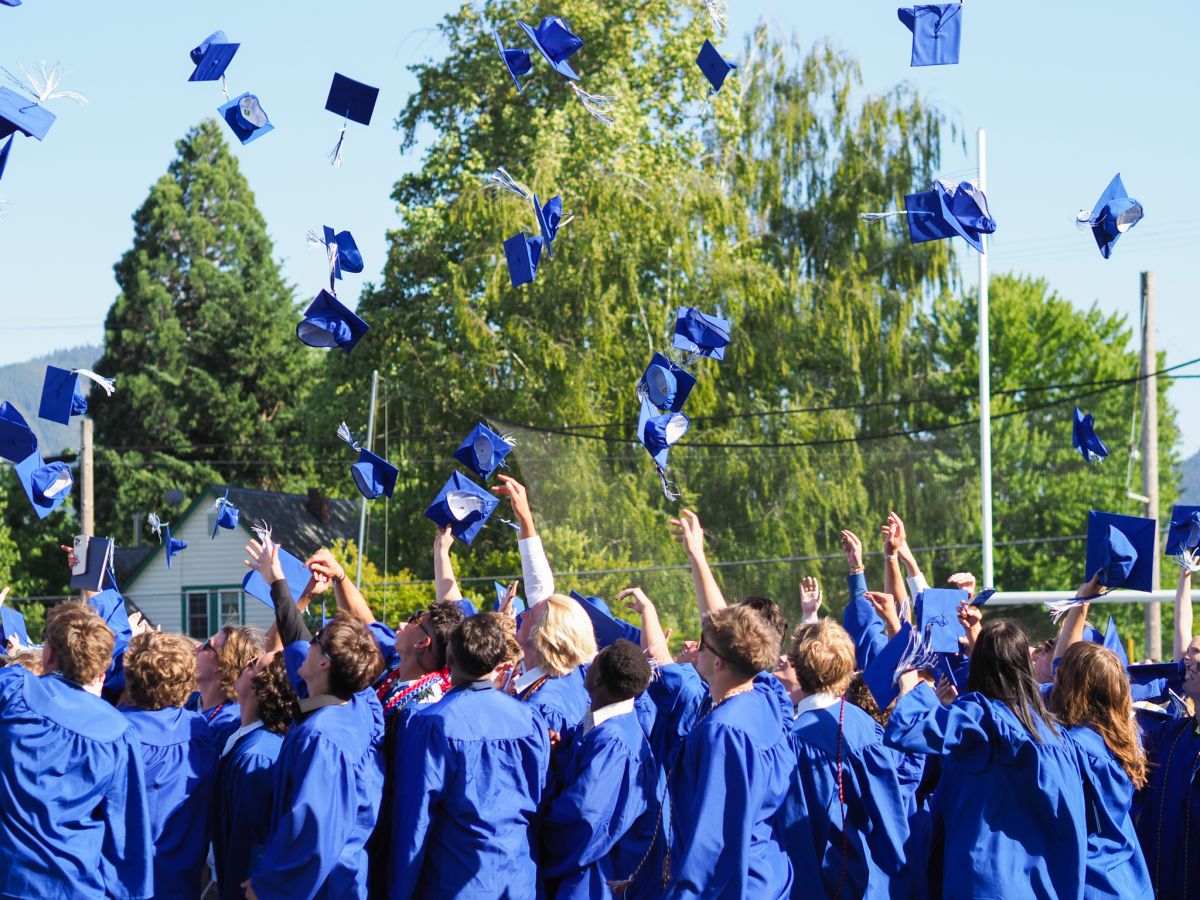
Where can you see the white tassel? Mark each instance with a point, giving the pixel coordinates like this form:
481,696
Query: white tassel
107,384
43,84
716,12
513,525
346,435
1189,561
669,488
597,104
155,524
1060,608
880,216
262,531
500,180
918,654
224,88
335,155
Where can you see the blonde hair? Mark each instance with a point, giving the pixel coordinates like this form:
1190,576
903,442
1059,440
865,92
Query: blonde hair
26,659
742,637
563,635
81,641
822,656
242,644
160,670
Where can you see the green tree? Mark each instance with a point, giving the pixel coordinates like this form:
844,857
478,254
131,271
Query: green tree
210,376
744,204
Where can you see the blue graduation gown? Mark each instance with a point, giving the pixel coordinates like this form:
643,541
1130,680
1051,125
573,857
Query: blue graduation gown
243,802
1013,808
223,720
877,809
179,757
464,819
677,693
604,824
1115,866
862,623
727,788
328,782
561,702
73,814
1168,821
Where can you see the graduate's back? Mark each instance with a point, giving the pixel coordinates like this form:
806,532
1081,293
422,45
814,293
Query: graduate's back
72,784
1169,802
464,813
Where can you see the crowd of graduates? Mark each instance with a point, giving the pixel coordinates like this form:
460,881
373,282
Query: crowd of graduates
562,752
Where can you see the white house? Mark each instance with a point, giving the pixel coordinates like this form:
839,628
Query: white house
202,589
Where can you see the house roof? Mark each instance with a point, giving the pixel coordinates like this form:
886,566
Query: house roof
302,523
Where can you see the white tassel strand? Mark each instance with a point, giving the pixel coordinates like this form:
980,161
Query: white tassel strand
108,385
597,104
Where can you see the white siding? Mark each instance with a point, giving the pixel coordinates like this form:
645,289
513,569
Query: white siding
158,591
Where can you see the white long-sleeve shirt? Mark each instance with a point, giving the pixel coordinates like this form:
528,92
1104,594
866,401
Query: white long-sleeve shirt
535,570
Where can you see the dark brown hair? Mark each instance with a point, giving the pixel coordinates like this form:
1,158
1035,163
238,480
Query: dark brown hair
478,645
277,704
354,658
1001,669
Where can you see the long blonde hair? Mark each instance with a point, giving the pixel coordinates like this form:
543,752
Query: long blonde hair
563,635
1092,689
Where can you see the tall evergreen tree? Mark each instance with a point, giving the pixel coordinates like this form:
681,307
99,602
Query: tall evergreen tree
201,340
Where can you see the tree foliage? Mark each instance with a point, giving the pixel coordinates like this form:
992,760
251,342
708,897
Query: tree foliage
210,377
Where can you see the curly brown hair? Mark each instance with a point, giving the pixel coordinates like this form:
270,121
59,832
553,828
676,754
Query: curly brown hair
822,656
860,695
354,658
1091,688
277,703
81,641
160,670
243,643
741,636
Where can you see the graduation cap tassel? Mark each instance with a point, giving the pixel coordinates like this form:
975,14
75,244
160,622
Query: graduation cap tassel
224,87
1188,560
262,531
335,155
346,435
1059,608
716,12
500,180
670,489
108,385
43,84
597,104
155,524
918,654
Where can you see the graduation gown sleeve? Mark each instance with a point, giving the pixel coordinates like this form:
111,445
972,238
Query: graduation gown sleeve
861,622
920,724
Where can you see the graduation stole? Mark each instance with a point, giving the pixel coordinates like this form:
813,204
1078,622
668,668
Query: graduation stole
418,690
532,689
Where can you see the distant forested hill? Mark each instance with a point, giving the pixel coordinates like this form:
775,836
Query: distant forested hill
21,385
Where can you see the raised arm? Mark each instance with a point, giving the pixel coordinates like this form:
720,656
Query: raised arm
1071,631
810,600
654,641
893,536
445,585
687,531
535,567
349,598
1183,613
916,580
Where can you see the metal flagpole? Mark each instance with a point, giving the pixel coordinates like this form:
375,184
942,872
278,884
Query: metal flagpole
985,387
362,513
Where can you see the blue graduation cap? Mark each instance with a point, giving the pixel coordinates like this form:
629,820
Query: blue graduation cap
246,118
345,253
555,40
463,505
10,2
658,433
4,152
516,60
373,474
1114,214
483,451
62,393
294,573
351,99
607,627
882,672
549,217
714,66
1184,533
1112,640
666,384
97,571
983,597
939,618
945,212
174,546
227,515
21,112
12,624
502,592
944,668
47,485
700,333
17,440
1122,549
212,57
327,323
1085,439
936,31
522,254
110,606
467,607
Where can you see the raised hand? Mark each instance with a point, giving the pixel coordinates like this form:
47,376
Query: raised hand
946,691
687,531
265,562
688,653
852,547
443,540
810,599
893,535
971,618
964,581
322,563
635,599
885,607
510,596
518,499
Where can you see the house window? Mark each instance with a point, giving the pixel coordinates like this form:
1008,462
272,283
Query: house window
208,610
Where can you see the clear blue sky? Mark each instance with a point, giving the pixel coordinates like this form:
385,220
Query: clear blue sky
1070,92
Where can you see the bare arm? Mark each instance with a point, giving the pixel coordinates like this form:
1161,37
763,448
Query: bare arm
445,585
688,532
654,641
349,598
1183,613
1071,631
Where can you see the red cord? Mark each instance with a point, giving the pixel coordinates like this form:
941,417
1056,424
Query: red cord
842,803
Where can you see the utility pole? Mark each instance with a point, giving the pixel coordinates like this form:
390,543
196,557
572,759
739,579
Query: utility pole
362,513
985,388
1153,610
87,493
